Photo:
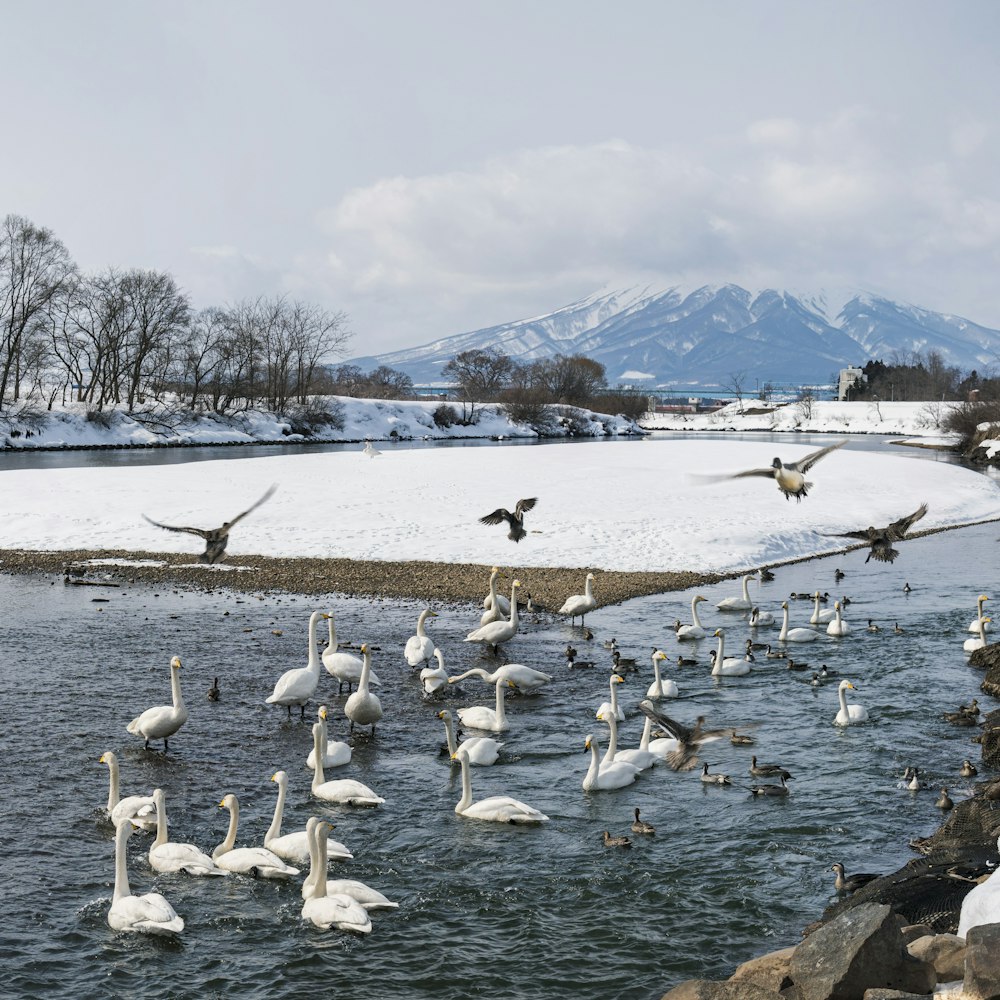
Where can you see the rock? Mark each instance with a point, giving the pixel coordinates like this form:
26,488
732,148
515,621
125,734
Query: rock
706,989
769,971
982,963
990,740
860,949
913,931
946,952
883,994
988,657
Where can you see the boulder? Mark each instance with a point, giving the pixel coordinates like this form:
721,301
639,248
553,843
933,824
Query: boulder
989,658
982,963
860,949
707,989
913,931
882,994
769,971
946,952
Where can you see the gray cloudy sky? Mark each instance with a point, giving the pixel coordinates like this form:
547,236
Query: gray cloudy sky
432,166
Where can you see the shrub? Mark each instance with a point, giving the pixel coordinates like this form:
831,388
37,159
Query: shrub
528,407
309,417
445,415
630,405
576,422
101,418
965,418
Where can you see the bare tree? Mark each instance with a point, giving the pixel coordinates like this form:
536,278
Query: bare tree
736,384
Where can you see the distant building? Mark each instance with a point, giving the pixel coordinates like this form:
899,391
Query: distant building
848,376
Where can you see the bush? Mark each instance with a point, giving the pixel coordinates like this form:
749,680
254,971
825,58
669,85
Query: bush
445,416
307,418
965,419
528,407
576,422
101,418
630,405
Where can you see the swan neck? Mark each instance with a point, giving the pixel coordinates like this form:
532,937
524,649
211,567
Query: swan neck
513,605
366,670
695,620
595,764
466,799
420,624
332,647
322,849
318,751
175,687
720,655
843,699
161,820
656,673
274,830
609,756
746,589
647,733
449,729
113,787
501,714
783,634
121,868
234,820
313,664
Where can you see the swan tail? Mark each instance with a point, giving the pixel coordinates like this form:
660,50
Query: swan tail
133,726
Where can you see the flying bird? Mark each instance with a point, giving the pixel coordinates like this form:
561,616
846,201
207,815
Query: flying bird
515,520
880,539
216,539
790,476
689,740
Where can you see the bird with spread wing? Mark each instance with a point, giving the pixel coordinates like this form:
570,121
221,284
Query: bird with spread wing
790,476
689,740
515,520
216,539
880,539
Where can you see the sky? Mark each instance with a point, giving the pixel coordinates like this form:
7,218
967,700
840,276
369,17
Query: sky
432,168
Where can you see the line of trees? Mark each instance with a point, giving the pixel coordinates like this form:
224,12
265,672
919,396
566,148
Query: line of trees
918,377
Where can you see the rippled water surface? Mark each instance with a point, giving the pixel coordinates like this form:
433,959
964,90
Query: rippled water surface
485,910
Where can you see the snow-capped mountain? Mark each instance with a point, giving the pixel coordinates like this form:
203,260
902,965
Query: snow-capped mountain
706,335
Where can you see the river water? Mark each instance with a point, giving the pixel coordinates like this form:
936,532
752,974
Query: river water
484,909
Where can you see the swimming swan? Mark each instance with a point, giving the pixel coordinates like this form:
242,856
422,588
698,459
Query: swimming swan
849,714
974,624
795,634
605,777
148,914
497,606
820,616
363,708
162,722
166,856
139,808
661,688
420,647
612,707
434,679
490,719
497,808
695,630
728,666
838,626
482,750
640,758
971,645
329,910
296,687
524,678
346,790
336,754
742,603
294,846
257,861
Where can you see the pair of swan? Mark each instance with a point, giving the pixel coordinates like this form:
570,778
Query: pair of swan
497,632
971,645
795,634
344,790
323,910
162,722
141,809
481,750
496,605
849,715
294,847
525,679
362,707
695,630
580,604
837,627
742,603
371,899
974,624
728,666
147,914
167,856
493,720
296,687
420,647
335,752
257,861
640,758
345,667
497,808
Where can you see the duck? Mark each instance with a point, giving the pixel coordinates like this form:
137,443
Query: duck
820,616
256,861
907,588
166,856
723,666
971,645
496,633
768,770
872,627
714,779
689,740
965,716
344,667
497,808
336,754
434,680
622,664
322,909
838,575
525,679
363,707
797,664
141,809
420,647
293,847
775,654
296,687
695,630
825,672
968,769
843,883
686,661
606,776
610,841
741,739
162,722
911,780
765,574
796,634
482,751
641,759
146,914
781,789
761,619
838,627
741,603
880,540
345,790
612,707
580,604
791,476
641,826
848,715
572,661
661,688
515,520
213,692
980,613
493,720
945,801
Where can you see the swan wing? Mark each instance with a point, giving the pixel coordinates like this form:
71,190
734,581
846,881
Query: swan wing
150,913
296,684
369,898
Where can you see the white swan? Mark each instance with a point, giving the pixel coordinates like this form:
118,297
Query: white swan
501,631
345,667
603,777
319,908
981,905
139,808
838,626
294,846
162,722
661,746
761,619
695,630
346,790
497,808
820,616
296,687
482,750
434,679
336,753
420,647
166,856
525,679
363,708
364,895
612,707
640,758
849,714
971,645
661,688
796,634
974,624
742,603
257,861
580,604
496,605
493,720
728,666
148,914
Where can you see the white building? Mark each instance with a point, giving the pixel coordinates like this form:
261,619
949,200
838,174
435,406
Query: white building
848,376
